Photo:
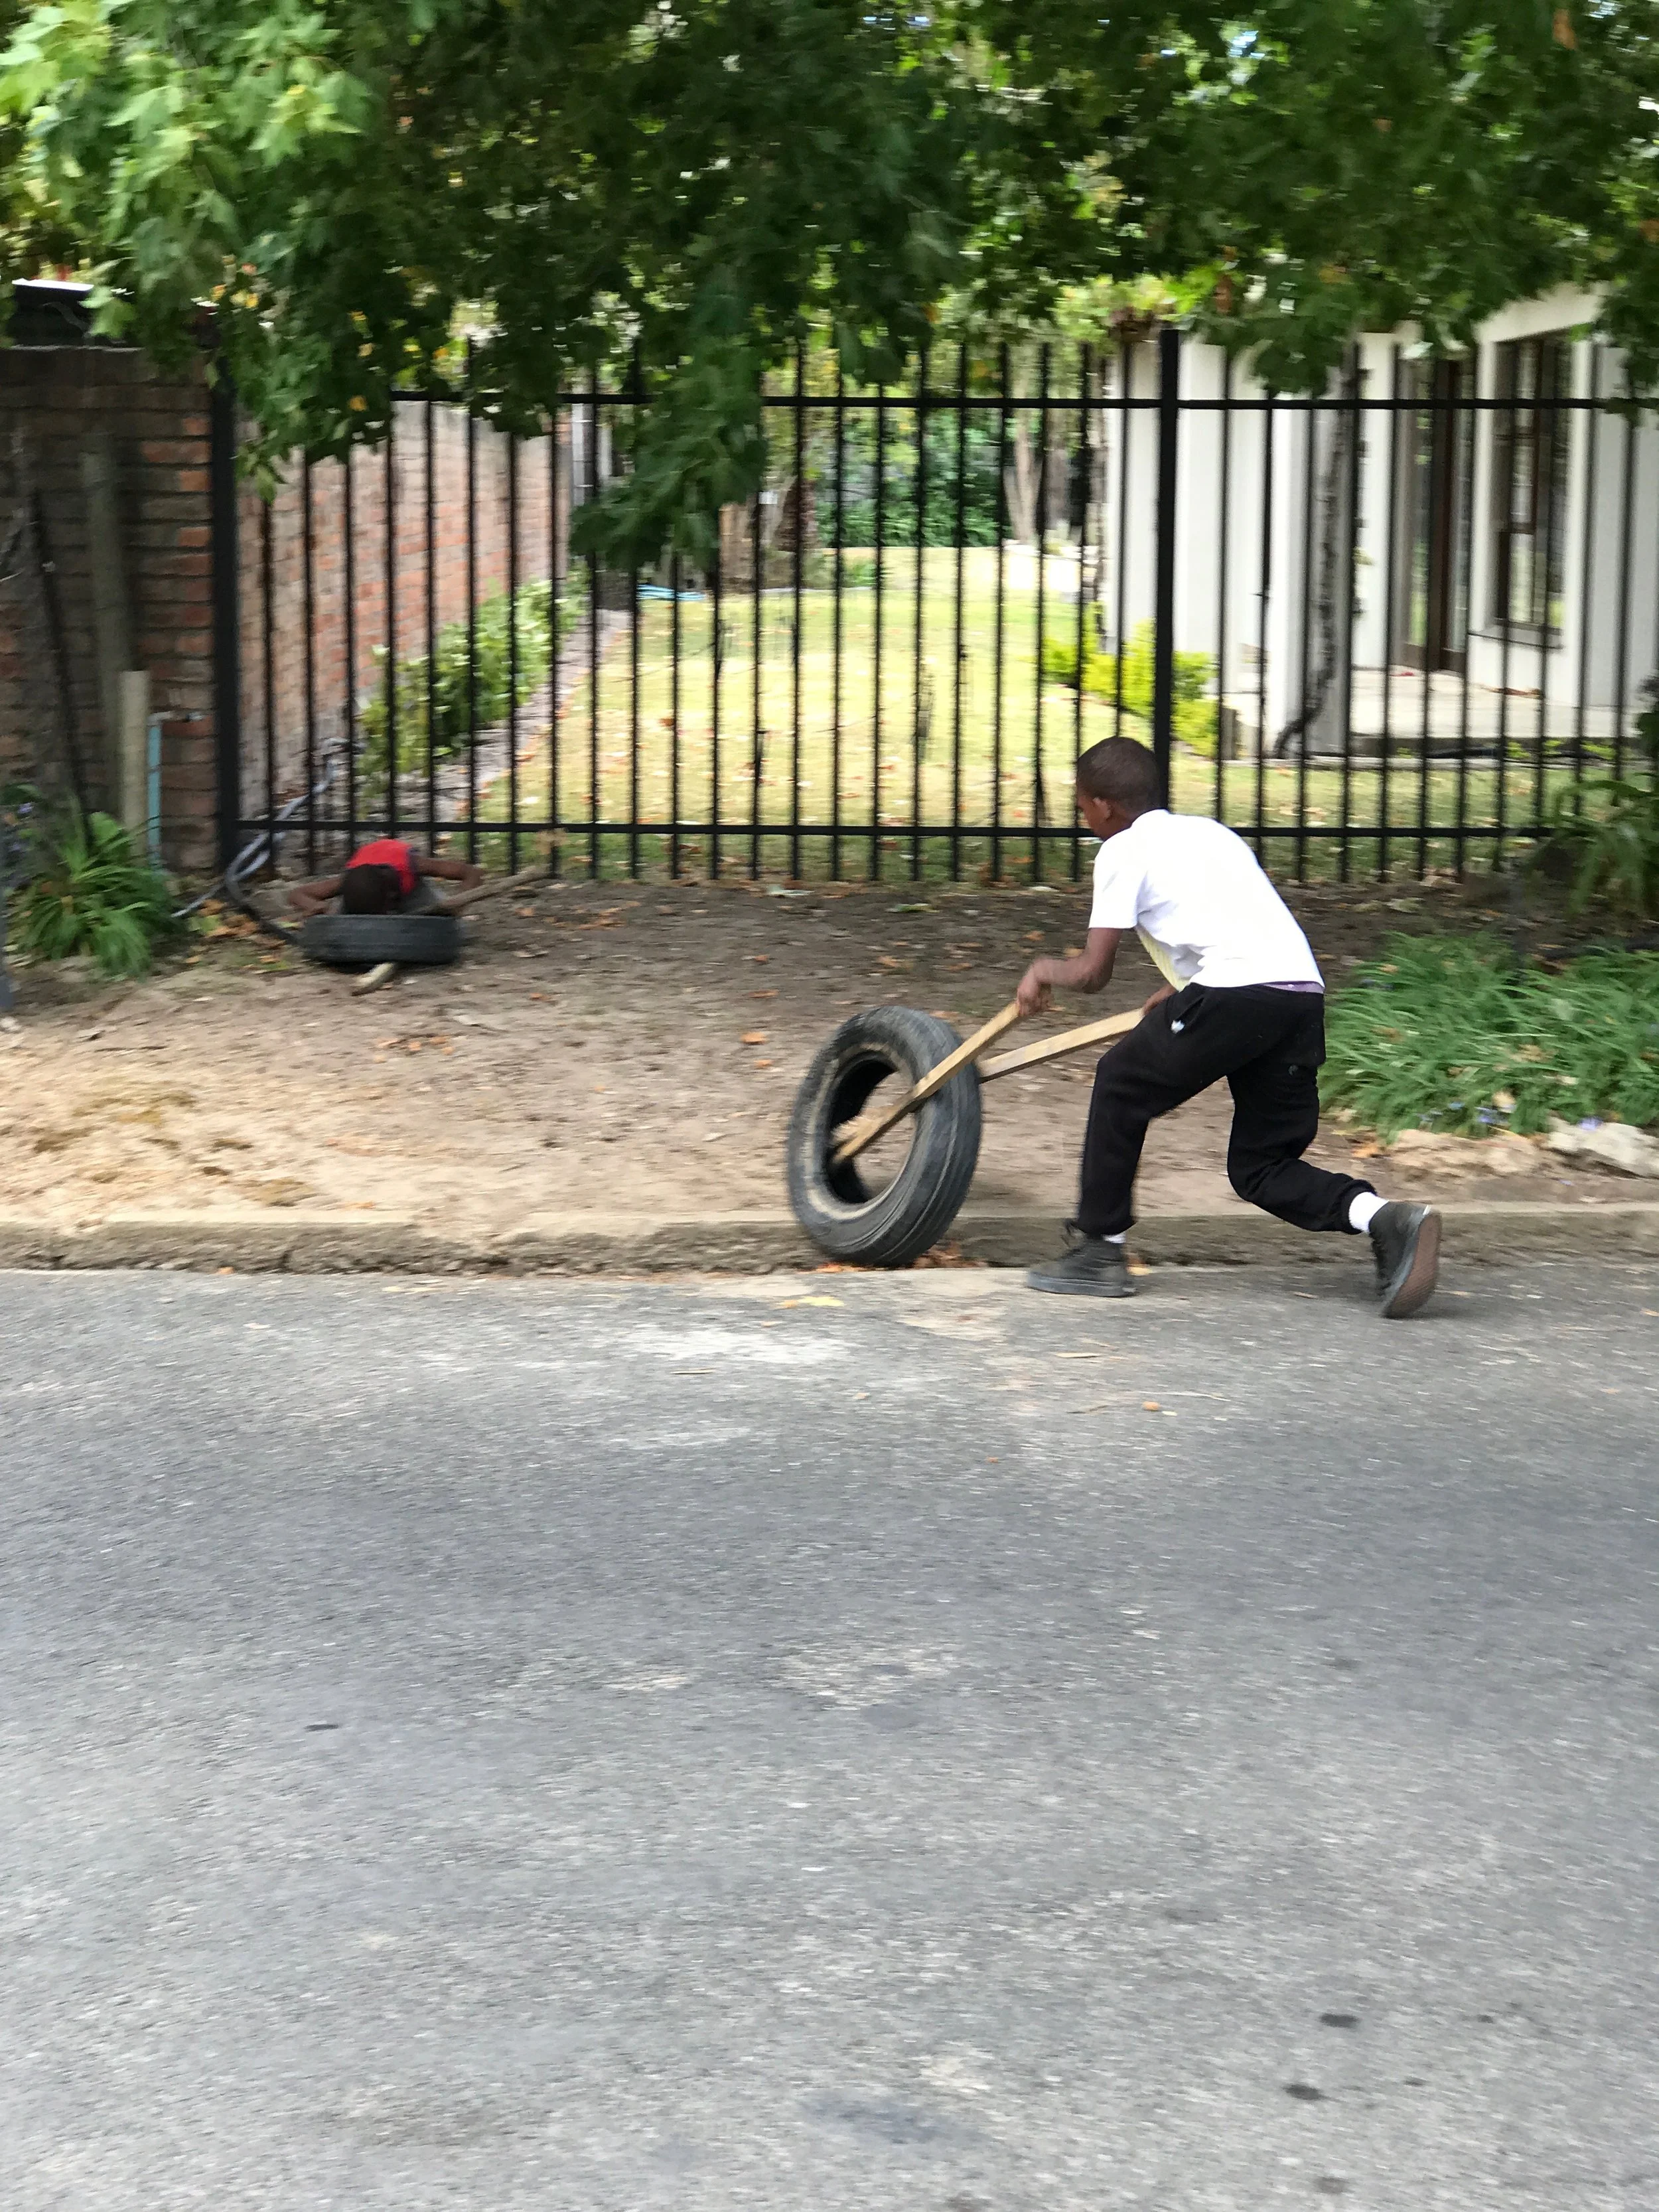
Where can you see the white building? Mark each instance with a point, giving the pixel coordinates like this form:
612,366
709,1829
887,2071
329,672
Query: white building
1498,522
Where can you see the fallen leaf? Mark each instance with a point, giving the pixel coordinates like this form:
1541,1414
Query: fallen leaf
763,994
763,1063
1151,1405
760,959
753,1036
818,1298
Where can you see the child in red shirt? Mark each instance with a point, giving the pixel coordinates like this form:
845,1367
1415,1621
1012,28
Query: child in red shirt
386,876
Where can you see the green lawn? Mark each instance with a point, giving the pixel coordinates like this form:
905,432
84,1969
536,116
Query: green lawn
820,739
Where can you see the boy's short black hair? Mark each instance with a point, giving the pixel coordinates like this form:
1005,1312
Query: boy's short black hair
1126,773
370,888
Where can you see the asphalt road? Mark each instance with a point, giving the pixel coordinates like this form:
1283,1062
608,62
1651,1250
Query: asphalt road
509,1746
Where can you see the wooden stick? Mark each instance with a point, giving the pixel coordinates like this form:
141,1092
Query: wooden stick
463,899
857,1135
382,972
1027,1056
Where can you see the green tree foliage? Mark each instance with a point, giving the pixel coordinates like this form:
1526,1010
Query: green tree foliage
683,190
34,236
961,482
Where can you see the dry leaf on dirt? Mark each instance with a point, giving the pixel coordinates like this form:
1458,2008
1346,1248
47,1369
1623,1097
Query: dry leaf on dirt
753,1036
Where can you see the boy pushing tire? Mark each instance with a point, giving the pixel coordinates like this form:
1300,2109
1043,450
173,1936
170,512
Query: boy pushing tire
1244,1001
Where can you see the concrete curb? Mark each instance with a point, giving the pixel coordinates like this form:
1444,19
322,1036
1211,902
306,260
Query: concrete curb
264,1240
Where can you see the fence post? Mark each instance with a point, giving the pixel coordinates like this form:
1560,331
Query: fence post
1168,426
227,622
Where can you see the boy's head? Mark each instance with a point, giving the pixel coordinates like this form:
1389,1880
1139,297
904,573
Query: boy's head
368,890
1117,780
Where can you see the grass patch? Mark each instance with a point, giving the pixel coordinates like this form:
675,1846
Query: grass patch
1447,1033
925,703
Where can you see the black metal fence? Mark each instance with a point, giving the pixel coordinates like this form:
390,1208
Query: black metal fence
1377,631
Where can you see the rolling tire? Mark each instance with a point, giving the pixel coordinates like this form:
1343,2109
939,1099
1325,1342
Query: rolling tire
843,1218
364,940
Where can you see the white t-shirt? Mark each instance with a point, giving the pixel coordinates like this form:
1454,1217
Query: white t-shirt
1202,902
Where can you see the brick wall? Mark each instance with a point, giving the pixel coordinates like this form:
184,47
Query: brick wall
303,671
308,648
57,395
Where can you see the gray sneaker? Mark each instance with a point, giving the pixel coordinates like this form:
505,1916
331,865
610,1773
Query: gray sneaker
1094,1267
1406,1242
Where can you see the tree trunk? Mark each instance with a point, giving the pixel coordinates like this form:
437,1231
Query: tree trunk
1020,487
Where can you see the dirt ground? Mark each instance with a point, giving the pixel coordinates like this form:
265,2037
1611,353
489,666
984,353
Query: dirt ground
620,1047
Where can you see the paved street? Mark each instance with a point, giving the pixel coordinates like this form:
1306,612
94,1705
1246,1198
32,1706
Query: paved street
827,1743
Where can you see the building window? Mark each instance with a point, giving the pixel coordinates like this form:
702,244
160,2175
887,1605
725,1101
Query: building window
1435,451
1530,483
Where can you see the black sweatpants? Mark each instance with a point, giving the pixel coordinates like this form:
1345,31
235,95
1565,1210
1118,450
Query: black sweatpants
1268,1044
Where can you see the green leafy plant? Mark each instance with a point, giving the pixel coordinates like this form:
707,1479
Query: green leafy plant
92,894
1447,1033
1194,672
470,679
1608,829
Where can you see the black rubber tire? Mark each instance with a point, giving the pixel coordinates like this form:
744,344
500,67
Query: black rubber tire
832,1204
363,940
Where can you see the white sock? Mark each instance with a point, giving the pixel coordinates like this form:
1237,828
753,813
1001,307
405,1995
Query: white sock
1118,1239
1363,1210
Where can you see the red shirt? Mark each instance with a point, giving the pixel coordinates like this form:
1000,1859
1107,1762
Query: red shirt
388,853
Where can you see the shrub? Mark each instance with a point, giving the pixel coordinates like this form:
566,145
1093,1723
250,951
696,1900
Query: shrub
1194,672
92,894
464,680
1448,1033
1609,831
